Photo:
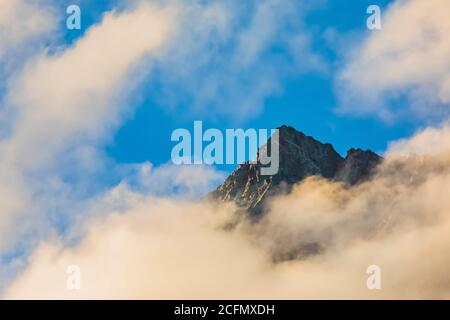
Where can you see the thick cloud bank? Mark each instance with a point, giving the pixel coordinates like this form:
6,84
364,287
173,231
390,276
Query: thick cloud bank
149,247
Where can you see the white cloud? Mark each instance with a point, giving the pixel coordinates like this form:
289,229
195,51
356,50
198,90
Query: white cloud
71,96
224,45
150,248
408,58
429,141
60,106
189,182
21,21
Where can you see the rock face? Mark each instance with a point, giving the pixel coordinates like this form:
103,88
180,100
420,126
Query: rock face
358,166
300,156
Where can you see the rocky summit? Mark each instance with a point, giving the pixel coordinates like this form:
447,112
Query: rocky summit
300,157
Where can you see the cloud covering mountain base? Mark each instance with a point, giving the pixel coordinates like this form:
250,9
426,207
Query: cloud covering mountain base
149,247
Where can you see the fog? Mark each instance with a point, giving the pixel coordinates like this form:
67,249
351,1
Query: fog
316,242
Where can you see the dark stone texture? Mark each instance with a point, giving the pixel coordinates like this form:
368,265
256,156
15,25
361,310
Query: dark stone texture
301,156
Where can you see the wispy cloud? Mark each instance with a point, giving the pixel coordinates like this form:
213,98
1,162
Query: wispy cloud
60,106
407,58
188,182
428,141
22,21
229,57
71,95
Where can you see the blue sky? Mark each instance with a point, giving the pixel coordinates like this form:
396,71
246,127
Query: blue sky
306,101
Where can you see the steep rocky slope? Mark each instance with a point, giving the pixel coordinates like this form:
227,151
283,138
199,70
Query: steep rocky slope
300,156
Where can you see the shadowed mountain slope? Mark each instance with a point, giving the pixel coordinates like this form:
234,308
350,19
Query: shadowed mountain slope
300,157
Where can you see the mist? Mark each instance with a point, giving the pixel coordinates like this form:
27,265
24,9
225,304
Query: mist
316,242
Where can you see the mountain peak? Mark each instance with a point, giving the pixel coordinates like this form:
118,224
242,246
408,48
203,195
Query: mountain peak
300,156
